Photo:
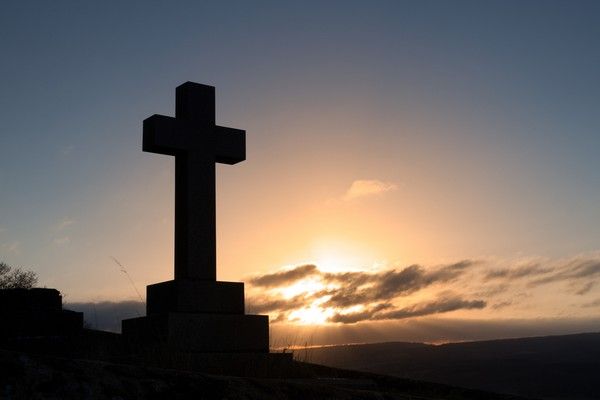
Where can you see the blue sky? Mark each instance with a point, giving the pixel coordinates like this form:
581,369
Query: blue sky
483,116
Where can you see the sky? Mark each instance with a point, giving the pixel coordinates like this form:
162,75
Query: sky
407,161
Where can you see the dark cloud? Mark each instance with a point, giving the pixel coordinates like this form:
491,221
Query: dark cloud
351,318
442,305
395,283
518,272
585,268
576,272
572,271
592,304
284,277
502,304
257,305
353,278
491,290
450,272
390,284
434,307
107,315
585,288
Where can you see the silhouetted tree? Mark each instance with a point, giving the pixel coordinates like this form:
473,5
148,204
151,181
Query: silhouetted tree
12,278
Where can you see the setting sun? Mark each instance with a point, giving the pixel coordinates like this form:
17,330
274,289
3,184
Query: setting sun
306,287
312,315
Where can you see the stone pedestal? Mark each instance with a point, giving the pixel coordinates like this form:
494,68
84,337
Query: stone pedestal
198,316
219,333
195,296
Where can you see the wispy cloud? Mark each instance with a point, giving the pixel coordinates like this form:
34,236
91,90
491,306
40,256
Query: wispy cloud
372,187
518,272
578,273
268,304
64,223
571,270
284,277
437,306
12,247
502,304
62,241
593,303
66,150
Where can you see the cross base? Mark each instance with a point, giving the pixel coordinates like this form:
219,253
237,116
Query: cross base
190,315
209,333
195,296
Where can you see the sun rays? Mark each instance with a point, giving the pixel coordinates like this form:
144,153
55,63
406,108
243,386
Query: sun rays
310,295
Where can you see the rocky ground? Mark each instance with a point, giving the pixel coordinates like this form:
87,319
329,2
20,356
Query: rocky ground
27,376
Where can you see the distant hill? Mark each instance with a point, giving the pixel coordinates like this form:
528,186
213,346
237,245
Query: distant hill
551,367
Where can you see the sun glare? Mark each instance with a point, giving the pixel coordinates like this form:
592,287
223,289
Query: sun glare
313,315
335,255
305,286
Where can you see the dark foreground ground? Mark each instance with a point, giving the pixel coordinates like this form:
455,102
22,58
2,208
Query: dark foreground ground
27,376
552,367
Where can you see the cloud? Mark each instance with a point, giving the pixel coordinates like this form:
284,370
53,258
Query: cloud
519,272
62,241
371,291
502,304
12,247
354,317
257,305
443,305
585,288
580,273
592,304
66,150
438,306
65,223
571,271
362,188
284,277
107,315
390,284
354,296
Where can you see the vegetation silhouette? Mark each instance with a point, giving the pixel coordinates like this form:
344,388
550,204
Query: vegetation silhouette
16,278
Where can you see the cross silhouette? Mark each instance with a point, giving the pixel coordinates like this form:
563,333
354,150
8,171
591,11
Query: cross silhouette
197,144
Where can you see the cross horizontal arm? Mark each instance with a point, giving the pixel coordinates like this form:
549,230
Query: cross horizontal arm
164,135
230,145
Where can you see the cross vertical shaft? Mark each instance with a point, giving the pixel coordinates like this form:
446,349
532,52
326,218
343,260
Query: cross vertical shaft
195,195
195,238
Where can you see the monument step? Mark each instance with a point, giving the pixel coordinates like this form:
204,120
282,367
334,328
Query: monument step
210,333
195,296
272,365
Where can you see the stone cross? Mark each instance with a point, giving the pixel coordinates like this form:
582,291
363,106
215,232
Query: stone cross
197,144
